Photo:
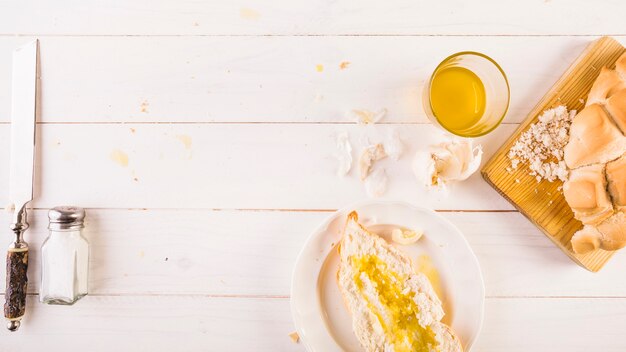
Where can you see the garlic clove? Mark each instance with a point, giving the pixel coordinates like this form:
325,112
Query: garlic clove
425,169
450,161
368,157
473,165
404,236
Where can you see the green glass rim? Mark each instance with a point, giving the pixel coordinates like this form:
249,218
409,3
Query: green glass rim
506,81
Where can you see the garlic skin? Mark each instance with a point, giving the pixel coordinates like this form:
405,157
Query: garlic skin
376,183
394,145
370,154
343,154
455,160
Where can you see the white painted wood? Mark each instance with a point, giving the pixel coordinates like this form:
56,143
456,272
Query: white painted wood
311,17
253,253
155,323
197,323
273,166
254,126
261,79
553,324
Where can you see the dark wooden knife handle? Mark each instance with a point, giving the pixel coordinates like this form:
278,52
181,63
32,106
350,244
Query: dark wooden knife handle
17,281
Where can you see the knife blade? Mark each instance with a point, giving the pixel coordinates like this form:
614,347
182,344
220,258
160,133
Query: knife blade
23,119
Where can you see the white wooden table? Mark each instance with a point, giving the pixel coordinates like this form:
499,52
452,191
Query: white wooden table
229,130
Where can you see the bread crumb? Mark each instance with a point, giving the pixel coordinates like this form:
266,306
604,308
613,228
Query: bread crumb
119,157
144,106
366,117
249,14
295,338
344,65
541,146
185,140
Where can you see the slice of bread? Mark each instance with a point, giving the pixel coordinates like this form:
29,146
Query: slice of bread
393,307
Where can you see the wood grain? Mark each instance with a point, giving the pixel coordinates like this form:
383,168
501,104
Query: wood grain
302,17
252,253
229,166
267,79
542,202
197,323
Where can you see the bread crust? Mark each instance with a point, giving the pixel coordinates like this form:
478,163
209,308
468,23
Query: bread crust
357,241
596,152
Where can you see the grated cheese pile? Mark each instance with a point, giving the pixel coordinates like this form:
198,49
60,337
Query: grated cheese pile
541,146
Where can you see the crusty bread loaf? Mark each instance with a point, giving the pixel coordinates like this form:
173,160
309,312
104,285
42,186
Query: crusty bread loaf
585,192
596,155
607,84
594,138
393,307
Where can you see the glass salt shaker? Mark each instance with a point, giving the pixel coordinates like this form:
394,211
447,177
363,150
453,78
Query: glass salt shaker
64,258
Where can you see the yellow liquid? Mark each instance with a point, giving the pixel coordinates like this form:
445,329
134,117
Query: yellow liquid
457,98
426,266
401,324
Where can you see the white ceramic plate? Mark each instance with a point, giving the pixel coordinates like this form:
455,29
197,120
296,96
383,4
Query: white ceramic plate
321,319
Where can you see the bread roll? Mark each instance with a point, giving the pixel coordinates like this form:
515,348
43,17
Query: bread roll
585,192
620,66
596,155
616,175
616,107
607,83
594,138
586,240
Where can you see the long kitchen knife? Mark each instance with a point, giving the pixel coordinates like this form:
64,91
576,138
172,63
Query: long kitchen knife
23,118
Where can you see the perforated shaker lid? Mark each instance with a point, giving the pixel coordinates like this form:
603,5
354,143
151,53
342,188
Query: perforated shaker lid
66,218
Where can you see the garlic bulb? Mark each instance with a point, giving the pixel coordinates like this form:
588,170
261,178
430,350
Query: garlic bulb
455,160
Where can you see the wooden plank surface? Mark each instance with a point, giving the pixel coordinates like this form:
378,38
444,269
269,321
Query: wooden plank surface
301,17
543,203
266,166
267,79
240,79
199,323
230,252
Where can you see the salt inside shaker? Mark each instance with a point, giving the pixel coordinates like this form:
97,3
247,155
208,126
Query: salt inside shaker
64,257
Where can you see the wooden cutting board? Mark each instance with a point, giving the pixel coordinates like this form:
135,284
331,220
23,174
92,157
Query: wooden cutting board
543,202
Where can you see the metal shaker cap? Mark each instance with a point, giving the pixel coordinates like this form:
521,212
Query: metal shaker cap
66,218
